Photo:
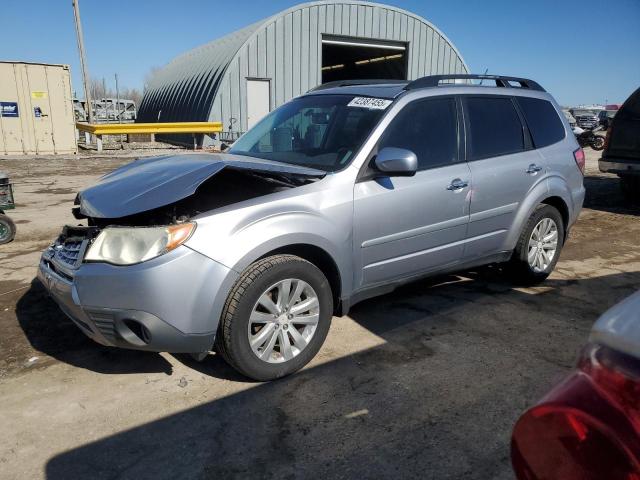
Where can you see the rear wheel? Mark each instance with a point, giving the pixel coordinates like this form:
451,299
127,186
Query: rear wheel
276,317
539,246
7,229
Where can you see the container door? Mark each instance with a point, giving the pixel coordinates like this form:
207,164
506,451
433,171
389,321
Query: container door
257,101
40,110
10,112
61,104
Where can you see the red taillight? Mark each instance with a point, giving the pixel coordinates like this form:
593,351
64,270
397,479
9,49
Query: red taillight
587,428
580,159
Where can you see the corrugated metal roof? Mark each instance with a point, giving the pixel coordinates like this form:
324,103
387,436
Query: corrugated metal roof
185,88
210,82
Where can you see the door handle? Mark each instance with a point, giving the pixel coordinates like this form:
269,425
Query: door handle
533,169
457,184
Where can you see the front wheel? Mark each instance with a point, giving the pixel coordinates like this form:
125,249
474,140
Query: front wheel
276,317
539,246
7,229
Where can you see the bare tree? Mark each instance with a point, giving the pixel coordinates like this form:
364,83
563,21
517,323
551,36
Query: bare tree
97,89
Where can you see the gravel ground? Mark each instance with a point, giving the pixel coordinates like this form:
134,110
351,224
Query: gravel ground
425,382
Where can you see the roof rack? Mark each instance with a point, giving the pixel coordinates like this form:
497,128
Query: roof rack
352,83
500,81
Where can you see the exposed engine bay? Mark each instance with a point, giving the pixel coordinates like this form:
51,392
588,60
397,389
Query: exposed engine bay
170,190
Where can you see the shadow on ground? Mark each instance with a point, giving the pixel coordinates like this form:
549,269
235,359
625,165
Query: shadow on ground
48,330
463,357
604,194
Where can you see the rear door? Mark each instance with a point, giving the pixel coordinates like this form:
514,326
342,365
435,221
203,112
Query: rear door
504,168
408,225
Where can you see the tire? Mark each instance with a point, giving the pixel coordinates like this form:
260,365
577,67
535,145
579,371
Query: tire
7,229
523,271
597,143
237,325
630,187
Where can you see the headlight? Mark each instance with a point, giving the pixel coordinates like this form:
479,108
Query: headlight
126,246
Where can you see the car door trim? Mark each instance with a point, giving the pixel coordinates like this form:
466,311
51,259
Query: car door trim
434,249
493,212
414,232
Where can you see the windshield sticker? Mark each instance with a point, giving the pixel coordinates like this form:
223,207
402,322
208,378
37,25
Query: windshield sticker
367,102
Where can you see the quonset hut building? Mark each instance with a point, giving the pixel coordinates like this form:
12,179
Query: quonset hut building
239,78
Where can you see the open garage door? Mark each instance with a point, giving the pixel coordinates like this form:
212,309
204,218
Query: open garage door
346,58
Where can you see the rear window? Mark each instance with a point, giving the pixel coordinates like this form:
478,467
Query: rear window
494,127
542,119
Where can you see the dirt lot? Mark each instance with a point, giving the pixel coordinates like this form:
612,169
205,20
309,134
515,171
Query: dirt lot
422,383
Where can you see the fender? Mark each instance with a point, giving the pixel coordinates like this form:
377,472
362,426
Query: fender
551,186
536,195
559,187
236,238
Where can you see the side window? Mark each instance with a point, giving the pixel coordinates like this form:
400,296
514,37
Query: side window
542,119
429,129
494,127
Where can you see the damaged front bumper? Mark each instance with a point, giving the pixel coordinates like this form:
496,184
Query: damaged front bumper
169,304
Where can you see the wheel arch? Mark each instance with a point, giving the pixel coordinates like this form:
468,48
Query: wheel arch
559,204
321,259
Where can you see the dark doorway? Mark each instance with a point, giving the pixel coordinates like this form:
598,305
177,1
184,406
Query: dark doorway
349,59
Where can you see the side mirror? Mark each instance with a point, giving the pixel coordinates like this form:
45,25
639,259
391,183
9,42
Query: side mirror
396,162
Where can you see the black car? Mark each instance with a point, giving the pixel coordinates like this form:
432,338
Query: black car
605,117
621,154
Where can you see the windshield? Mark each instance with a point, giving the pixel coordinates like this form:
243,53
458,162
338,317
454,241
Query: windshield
317,131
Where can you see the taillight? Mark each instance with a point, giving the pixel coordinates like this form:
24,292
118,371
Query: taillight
588,427
580,159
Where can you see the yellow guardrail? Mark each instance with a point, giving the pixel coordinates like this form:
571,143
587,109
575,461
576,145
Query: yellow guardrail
100,129
169,127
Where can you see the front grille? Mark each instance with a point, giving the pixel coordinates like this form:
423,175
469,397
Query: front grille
69,252
585,121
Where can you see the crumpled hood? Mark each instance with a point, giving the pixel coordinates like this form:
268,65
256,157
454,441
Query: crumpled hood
159,181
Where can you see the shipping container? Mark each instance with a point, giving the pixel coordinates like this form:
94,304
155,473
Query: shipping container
36,109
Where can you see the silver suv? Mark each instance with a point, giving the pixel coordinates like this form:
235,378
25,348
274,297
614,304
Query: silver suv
339,195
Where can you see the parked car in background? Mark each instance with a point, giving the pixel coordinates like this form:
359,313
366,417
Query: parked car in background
621,154
588,426
605,117
585,119
337,196
570,118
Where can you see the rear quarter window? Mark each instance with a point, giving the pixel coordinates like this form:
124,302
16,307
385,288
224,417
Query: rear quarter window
542,119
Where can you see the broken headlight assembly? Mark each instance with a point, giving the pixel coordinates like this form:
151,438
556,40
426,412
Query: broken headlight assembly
130,245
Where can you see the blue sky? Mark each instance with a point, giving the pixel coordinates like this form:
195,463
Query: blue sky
581,51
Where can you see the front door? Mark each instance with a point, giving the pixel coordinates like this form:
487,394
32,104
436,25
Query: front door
405,226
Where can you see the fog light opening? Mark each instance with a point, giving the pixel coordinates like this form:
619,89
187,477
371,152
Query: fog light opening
139,330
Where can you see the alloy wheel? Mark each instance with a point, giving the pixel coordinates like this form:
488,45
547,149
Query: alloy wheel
543,245
283,320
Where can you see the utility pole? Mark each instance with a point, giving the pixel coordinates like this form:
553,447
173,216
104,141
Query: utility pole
117,100
83,63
